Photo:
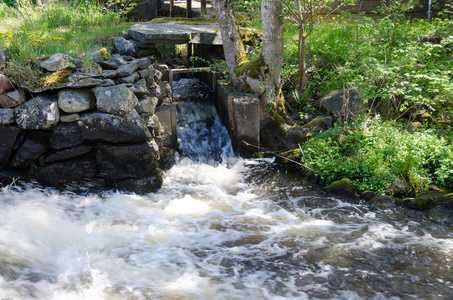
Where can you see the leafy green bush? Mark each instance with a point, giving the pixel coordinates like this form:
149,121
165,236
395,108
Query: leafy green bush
374,153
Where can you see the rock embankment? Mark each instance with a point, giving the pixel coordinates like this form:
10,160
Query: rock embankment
109,126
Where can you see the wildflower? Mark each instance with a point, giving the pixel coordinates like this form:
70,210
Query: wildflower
77,45
333,18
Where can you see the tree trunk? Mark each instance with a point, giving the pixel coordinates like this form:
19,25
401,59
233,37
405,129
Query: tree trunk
302,52
231,38
272,52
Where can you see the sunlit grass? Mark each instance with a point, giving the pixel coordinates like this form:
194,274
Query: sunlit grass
74,29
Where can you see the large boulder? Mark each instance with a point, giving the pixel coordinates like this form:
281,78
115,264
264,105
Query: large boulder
8,137
65,136
38,113
118,99
343,103
61,173
73,101
112,128
126,161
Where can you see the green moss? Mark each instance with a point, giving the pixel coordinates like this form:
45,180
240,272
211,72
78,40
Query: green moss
57,77
343,187
250,68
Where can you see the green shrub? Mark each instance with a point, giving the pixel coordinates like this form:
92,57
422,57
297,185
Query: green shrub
374,153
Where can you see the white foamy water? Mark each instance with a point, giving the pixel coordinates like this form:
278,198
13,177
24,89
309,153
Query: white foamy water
225,228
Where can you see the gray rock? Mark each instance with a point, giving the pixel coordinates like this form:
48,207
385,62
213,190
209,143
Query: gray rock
165,88
147,105
11,99
108,74
56,62
68,118
126,70
108,82
343,103
158,75
83,83
8,137
118,60
118,99
142,63
5,84
128,79
123,46
76,100
156,93
108,65
141,185
154,125
111,128
173,32
3,59
149,51
61,173
144,11
32,148
38,113
6,116
126,161
68,153
139,88
65,136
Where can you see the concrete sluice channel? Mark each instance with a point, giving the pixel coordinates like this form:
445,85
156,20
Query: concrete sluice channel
221,227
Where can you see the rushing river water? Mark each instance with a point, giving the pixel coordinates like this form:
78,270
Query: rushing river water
221,227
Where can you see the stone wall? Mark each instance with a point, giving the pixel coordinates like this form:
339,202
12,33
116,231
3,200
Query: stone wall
112,125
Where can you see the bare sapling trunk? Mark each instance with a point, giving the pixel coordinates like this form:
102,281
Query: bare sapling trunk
231,38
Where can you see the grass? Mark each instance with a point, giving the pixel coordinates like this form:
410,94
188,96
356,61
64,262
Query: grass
74,28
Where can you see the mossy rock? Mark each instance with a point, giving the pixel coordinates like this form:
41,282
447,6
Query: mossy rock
289,159
367,195
57,77
445,201
343,187
421,202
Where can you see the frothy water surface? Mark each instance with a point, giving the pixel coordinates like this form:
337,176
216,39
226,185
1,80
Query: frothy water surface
221,228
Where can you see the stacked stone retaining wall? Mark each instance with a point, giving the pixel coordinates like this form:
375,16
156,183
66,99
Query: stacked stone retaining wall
113,126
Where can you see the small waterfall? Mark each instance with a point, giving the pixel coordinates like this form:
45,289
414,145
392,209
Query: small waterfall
201,135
